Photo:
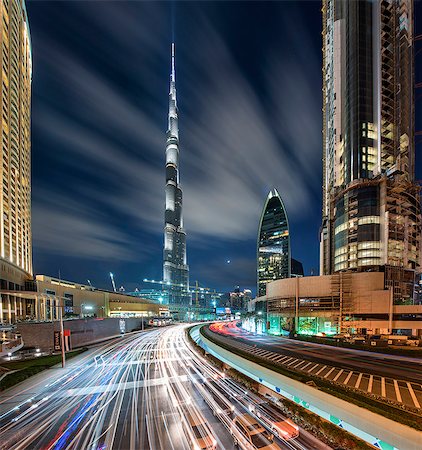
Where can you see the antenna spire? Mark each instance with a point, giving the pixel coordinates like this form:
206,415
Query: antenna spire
173,71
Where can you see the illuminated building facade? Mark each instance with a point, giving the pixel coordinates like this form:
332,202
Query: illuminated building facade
371,204
15,169
175,268
273,249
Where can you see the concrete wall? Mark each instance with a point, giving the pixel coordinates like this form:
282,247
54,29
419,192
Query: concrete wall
82,331
362,284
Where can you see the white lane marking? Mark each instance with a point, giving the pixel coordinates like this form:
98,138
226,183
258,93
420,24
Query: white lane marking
320,370
358,381
338,375
348,377
305,366
329,372
301,361
287,360
371,380
397,389
280,358
295,359
312,368
412,394
382,387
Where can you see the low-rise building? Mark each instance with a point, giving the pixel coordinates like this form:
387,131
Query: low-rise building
47,297
343,302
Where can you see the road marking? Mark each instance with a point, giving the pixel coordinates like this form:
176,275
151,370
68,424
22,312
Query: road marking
290,363
348,377
287,360
382,387
358,381
338,375
371,380
280,358
412,394
320,370
397,389
300,363
312,368
304,367
328,373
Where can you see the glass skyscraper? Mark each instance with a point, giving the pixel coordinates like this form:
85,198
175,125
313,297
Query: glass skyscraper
273,252
371,204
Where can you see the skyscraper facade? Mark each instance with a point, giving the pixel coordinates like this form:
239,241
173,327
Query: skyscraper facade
371,204
15,93
15,168
273,252
175,268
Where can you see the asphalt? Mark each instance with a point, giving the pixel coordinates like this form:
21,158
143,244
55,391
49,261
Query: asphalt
134,393
396,378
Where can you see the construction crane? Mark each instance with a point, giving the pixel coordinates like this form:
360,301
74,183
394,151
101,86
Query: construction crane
197,290
112,282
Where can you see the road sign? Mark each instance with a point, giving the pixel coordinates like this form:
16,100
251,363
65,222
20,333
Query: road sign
57,341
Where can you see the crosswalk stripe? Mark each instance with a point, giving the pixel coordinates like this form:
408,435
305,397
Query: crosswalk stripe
397,389
371,380
358,381
412,394
305,366
292,362
320,370
338,375
329,372
348,377
300,363
313,367
382,387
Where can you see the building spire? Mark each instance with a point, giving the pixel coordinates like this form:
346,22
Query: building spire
173,70
173,128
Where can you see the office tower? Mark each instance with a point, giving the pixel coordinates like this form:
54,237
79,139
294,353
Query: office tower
296,268
371,204
175,268
273,249
15,169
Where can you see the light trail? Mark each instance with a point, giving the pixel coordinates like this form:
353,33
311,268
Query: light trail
146,391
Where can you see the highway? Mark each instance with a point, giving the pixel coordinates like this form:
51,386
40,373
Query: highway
376,363
145,391
396,378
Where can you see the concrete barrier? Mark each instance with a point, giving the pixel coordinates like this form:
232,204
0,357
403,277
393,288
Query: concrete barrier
373,428
82,331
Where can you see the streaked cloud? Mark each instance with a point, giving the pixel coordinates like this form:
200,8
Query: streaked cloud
238,139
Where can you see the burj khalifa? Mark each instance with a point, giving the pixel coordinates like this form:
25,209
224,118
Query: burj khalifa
175,268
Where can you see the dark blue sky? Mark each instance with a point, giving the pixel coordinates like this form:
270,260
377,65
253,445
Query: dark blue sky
249,97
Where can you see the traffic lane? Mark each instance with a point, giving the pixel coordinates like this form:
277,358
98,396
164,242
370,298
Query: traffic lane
61,403
385,366
243,401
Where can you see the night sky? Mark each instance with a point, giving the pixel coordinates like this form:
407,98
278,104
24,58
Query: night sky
249,96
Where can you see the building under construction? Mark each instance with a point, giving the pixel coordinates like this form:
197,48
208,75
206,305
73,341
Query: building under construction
371,203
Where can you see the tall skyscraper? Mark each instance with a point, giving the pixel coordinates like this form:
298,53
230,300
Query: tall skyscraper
371,204
15,168
273,252
175,268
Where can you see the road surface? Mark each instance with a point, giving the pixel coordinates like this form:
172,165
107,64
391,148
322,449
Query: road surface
145,391
396,378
